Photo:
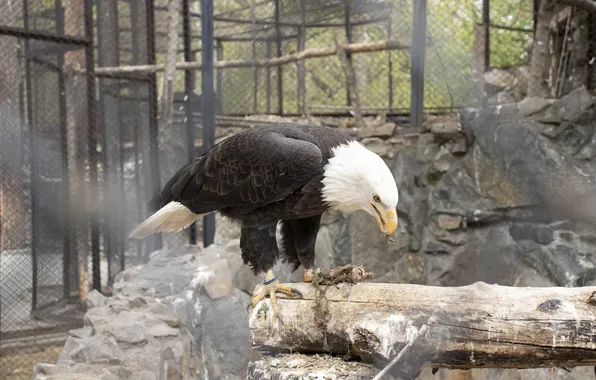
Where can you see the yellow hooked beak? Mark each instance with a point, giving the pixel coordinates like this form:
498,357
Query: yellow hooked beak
387,220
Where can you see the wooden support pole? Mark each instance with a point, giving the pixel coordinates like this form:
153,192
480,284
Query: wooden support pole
474,326
351,82
166,101
362,47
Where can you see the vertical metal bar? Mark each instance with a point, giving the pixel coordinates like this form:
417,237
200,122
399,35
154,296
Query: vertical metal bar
301,63
390,64
122,199
33,158
108,38
486,24
120,233
417,69
348,25
137,125
219,93
268,78
103,156
280,81
255,70
92,123
66,211
536,6
208,110
189,87
155,241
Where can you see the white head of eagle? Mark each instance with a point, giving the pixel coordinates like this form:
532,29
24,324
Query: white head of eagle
357,179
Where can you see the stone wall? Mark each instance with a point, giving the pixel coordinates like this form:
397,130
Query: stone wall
502,195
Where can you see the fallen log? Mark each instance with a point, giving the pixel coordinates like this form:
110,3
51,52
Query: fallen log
473,326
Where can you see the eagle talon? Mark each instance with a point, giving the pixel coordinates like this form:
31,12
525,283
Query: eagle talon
270,288
297,295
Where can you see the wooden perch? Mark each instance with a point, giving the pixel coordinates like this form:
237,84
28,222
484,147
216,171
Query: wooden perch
363,47
479,325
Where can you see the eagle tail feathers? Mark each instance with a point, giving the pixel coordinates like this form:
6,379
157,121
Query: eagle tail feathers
173,217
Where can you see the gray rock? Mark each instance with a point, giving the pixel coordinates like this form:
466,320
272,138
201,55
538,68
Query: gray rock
571,108
446,127
443,160
436,248
100,350
376,145
220,283
449,222
133,333
225,334
525,168
162,330
97,318
538,234
83,332
533,105
144,375
95,299
383,130
164,314
426,148
573,105
450,238
460,146
137,302
551,131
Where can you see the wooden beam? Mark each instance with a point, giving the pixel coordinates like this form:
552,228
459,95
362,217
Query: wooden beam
362,47
474,326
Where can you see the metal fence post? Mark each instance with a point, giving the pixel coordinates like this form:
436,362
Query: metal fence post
417,69
208,102
155,241
92,120
189,89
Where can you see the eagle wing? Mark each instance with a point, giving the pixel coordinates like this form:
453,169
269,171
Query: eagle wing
247,171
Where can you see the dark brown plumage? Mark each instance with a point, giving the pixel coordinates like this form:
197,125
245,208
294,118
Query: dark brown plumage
259,177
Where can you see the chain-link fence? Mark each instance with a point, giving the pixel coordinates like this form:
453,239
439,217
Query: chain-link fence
43,158
95,117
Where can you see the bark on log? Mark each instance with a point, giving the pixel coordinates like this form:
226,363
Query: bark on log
479,325
362,47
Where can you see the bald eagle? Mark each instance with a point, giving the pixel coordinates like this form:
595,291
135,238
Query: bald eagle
283,174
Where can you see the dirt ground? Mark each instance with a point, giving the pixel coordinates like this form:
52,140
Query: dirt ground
18,364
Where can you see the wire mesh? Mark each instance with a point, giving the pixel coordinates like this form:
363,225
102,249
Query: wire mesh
40,238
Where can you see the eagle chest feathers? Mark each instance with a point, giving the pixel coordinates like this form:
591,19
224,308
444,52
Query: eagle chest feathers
279,176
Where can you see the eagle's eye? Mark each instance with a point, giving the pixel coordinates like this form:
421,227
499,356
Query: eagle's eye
376,198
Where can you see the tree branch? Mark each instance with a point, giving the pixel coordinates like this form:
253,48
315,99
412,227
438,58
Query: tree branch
284,59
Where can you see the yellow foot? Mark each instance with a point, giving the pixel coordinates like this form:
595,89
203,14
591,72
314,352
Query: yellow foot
307,276
270,290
